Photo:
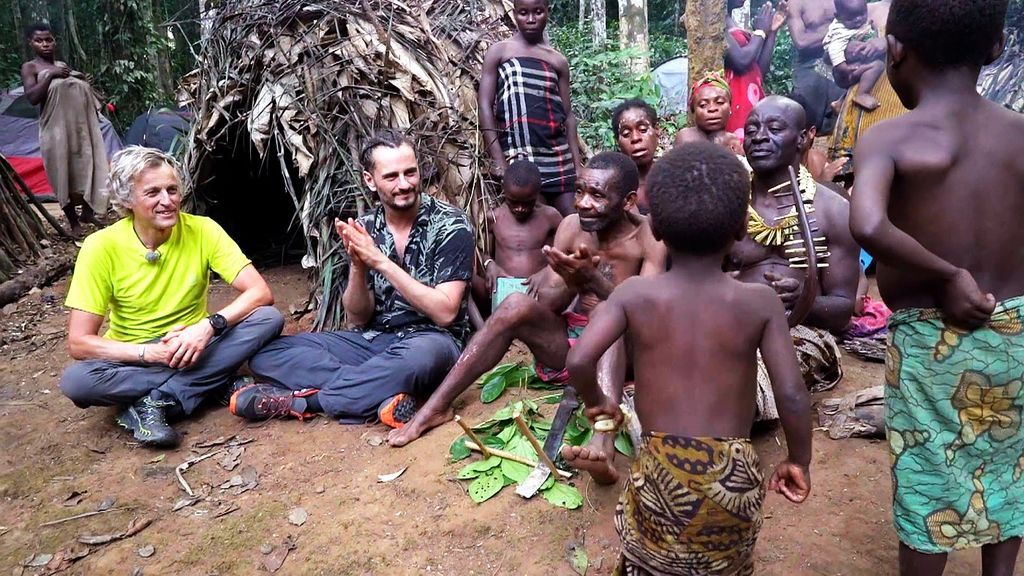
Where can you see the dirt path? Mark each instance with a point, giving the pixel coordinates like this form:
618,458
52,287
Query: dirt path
421,523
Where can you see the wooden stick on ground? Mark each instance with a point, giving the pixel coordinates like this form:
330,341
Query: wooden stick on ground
514,457
77,516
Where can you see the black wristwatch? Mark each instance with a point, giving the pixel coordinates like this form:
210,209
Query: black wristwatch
219,323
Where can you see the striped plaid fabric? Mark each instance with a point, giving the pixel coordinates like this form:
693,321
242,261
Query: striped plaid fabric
531,116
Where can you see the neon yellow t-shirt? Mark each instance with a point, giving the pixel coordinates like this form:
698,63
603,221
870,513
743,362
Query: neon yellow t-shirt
146,299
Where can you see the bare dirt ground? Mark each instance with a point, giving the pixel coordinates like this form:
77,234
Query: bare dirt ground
421,523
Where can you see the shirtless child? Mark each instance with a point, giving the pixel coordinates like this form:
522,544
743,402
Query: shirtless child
595,250
692,504
519,228
943,222
525,112
635,125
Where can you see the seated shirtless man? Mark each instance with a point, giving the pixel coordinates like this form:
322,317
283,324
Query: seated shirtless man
518,229
775,134
594,251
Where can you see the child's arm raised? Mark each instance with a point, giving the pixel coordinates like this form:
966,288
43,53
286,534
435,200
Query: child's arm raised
792,478
485,104
963,301
607,324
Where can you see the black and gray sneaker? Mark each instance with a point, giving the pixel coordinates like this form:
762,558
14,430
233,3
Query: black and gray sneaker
148,424
236,384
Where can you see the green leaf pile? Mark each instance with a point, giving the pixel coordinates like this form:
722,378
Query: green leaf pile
488,476
511,375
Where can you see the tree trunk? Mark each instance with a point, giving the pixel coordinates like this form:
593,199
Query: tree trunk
583,14
600,27
73,42
633,32
19,29
165,81
705,36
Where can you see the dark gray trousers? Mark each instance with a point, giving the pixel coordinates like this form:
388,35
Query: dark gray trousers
355,375
104,383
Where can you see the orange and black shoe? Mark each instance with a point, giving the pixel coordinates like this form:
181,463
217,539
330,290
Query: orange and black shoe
263,401
397,410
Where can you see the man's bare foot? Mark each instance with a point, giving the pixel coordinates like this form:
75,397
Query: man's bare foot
418,426
866,101
591,460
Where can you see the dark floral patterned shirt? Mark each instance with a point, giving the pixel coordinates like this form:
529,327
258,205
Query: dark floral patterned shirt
440,250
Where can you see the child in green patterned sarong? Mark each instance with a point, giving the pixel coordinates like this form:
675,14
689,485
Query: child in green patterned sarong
692,503
943,222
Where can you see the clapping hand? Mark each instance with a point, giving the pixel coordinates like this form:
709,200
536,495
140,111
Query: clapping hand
359,245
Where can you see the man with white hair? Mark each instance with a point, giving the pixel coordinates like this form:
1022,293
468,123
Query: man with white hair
149,274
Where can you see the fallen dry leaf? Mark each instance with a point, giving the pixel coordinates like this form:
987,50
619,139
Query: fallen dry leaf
107,504
184,503
36,560
147,551
65,557
298,516
224,509
392,476
138,524
211,443
273,561
75,498
156,459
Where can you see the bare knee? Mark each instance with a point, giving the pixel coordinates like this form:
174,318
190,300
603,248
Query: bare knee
514,310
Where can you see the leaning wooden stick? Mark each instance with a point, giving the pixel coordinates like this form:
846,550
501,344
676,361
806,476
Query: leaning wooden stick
810,288
533,442
35,201
472,436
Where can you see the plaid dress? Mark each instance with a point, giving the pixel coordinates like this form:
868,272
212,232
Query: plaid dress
531,117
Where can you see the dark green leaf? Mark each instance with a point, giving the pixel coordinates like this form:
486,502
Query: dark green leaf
493,388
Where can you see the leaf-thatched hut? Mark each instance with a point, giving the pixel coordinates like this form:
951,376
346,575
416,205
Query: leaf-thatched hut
288,89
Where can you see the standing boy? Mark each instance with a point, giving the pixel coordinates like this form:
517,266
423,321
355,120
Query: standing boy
692,504
525,111
519,229
943,222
